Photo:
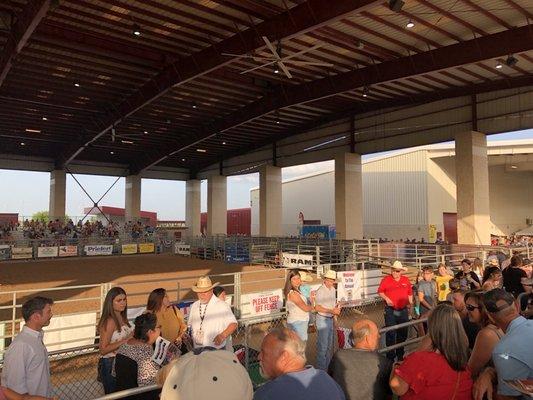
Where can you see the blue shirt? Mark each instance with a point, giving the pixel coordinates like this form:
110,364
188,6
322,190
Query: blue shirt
308,384
513,355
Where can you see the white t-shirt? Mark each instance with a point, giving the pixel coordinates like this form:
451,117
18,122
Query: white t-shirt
217,317
26,366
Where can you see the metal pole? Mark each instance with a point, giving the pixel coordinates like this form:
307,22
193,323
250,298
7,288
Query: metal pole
13,316
317,252
237,293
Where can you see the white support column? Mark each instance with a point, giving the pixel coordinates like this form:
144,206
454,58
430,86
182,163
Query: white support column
133,198
270,201
217,200
192,207
58,189
348,196
472,182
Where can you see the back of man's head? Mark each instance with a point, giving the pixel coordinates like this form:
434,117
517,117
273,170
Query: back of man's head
500,305
365,334
282,351
288,340
35,305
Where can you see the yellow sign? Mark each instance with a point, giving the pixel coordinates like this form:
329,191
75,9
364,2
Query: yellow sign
432,237
129,248
146,248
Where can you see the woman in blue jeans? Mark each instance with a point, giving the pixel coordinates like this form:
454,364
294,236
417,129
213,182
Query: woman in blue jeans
297,307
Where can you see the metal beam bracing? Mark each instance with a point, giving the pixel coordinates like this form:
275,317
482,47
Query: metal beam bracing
500,44
26,23
308,16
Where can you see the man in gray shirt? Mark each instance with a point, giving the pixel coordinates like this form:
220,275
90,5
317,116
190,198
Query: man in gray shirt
361,372
326,307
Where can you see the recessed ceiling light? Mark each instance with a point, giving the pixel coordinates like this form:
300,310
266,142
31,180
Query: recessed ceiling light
127,141
201,150
136,30
223,142
146,132
45,119
194,105
77,84
33,130
410,24
499,66
22,144
365,91
111,152
183,159
277,122
276,71
514,167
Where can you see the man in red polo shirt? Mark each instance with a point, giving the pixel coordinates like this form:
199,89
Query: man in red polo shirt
397,292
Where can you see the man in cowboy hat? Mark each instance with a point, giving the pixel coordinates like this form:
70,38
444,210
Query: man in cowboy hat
326,308
210,318
397,292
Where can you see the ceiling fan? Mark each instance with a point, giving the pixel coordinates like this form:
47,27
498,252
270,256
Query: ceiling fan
278,60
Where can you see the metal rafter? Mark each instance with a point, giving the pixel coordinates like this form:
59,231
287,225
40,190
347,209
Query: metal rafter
468,52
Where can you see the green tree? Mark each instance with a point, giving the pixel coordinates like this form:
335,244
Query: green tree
40,216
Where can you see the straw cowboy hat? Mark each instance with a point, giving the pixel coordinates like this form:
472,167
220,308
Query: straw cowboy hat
306,276
204,285
330,275
398,265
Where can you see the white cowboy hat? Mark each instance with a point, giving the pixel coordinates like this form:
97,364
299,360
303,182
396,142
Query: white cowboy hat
398,265
204,285
330,275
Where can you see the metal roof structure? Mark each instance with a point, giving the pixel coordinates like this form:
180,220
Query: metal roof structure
148,83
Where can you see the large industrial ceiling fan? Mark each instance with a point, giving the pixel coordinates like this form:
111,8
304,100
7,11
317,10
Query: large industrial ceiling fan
280,62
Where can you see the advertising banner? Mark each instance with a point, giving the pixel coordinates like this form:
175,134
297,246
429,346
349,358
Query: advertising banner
146,248
350,287
262,303
18,253
432,234
315,231
68,251
99,250
5,252
43,252
182,249
130,248
302,261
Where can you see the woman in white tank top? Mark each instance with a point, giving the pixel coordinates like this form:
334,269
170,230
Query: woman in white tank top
297,307
114,330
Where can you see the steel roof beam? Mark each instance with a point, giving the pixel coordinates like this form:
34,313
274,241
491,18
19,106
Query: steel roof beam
27,21
308,16
468,52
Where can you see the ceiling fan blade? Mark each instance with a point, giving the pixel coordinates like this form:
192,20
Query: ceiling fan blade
271,48
258,67
316,46
318,64
285,70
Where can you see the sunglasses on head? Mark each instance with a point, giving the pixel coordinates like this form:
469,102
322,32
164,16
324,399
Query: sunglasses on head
470,307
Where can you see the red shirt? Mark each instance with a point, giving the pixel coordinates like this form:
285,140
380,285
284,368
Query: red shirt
430,377
396,291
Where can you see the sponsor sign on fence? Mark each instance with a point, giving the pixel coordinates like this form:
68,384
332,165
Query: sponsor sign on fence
99,250
21,252
262,303
146,247
68,251
302,261
130,248
43,252
5,251
350,286
182,249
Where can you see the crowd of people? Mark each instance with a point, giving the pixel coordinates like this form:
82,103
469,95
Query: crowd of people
475,340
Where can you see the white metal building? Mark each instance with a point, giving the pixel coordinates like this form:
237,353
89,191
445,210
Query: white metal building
407,191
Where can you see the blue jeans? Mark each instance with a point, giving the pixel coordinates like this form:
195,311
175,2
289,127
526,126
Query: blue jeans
105,366
324,326
395,317
300,327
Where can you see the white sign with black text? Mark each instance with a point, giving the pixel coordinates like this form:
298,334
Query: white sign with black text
301,261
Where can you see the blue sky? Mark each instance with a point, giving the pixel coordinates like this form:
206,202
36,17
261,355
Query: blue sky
28,192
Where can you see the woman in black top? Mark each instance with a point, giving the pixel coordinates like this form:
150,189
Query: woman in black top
514,277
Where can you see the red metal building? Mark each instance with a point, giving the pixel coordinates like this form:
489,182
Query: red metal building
239,221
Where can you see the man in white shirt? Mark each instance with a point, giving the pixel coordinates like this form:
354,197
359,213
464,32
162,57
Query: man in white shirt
26,366
326,308
210,318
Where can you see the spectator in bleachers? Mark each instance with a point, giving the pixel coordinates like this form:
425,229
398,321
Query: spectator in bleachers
297,307
492,279
488,336
397,292
442,372
169,318
443,282
282,360
361,371
513,355
207,374
327,309
478,268
471,329
515,278
115,330
133,364
26,368
468,278
492,259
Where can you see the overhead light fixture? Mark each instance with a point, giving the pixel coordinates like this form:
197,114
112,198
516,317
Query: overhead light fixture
511,61
396,5
276,70
33,130
514,167
111,152
146,132
183,159
366,91
136,29
77,84
277,121
127,141
201,150
499,66
410,24
45,119
22,144
223,142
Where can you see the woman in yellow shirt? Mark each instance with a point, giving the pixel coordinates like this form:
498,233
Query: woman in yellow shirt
169,317
443,282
